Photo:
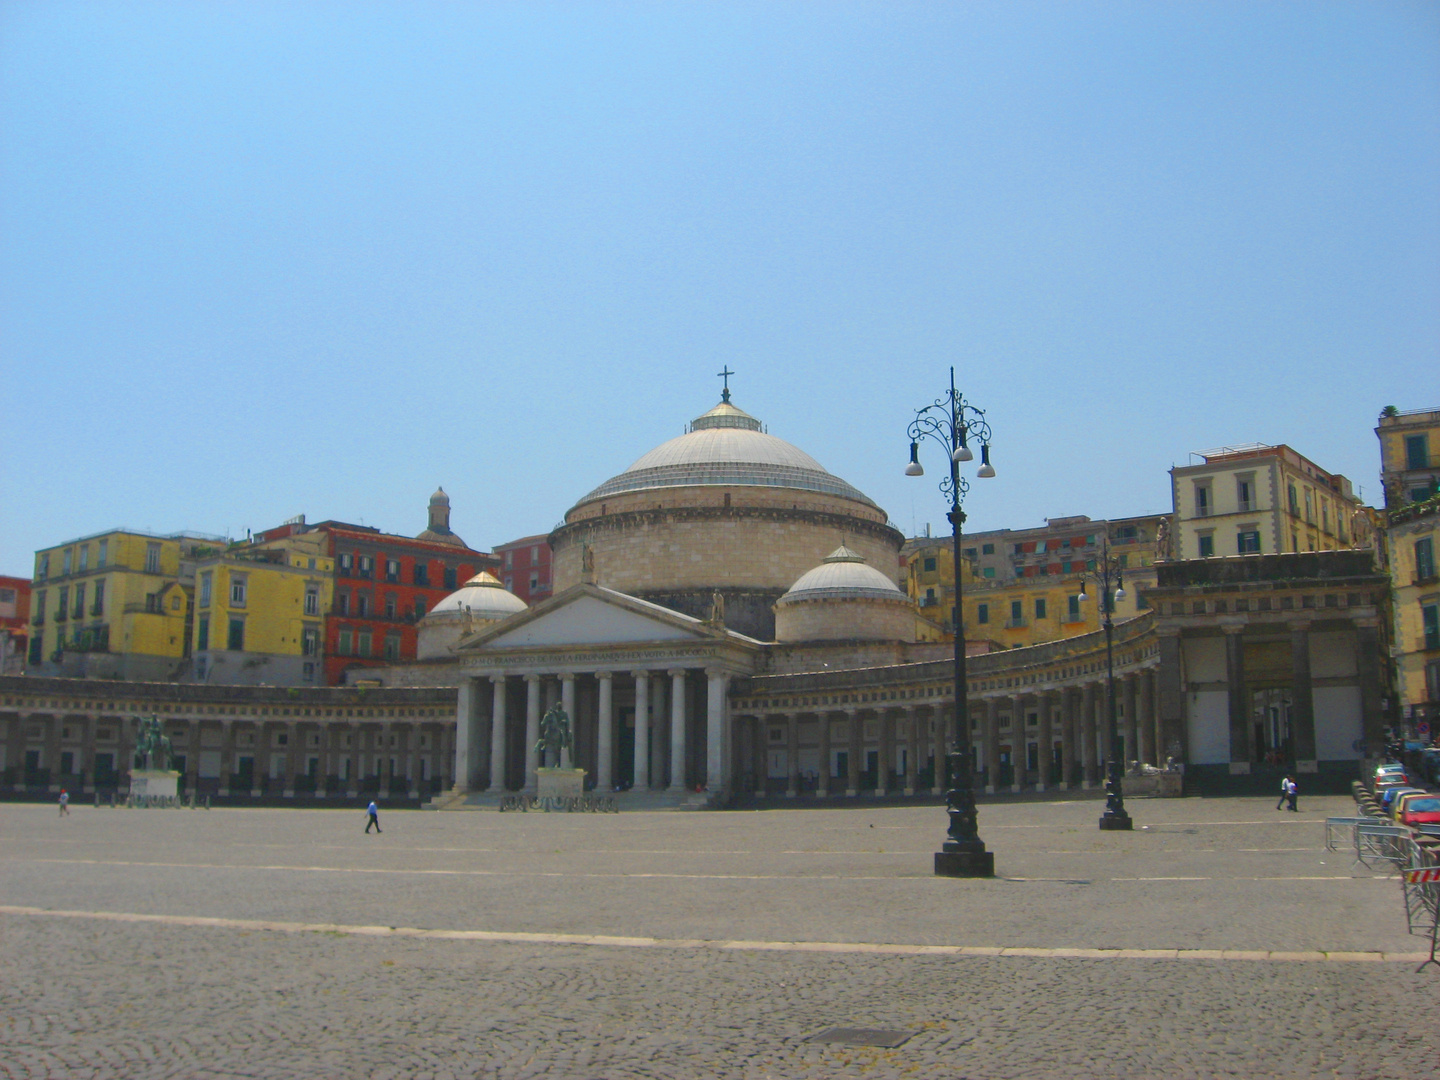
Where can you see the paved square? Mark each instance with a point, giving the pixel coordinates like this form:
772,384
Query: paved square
1221,940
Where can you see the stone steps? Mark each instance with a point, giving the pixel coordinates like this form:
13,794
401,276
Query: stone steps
624,800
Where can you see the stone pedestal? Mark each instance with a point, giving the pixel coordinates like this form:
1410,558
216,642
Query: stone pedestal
955,861
560,783
154,783
1172,785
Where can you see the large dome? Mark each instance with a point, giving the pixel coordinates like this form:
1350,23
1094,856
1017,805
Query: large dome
726,447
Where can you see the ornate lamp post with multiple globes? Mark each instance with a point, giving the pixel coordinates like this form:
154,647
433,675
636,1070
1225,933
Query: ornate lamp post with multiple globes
1108,571
954,423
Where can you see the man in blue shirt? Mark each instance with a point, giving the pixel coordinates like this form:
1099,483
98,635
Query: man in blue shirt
374,821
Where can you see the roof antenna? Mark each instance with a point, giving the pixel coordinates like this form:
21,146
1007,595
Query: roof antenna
725,393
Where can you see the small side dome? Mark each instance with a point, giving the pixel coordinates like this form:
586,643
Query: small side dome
438,531
843,574
479,602
843,599
484,596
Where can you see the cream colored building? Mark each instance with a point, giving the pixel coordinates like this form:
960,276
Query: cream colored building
1258,499
1409,454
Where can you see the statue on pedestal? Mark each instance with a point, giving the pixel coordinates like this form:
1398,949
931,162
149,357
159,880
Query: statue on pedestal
553,749
152,746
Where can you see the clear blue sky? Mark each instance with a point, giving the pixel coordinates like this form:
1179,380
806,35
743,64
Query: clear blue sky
267,259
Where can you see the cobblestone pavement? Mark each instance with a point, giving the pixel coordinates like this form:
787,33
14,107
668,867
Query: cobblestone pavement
1222,940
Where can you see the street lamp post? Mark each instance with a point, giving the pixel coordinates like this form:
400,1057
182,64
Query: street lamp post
954,423
1108,571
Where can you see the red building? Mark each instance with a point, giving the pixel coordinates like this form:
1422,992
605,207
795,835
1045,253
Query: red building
525,567
14,624
384,585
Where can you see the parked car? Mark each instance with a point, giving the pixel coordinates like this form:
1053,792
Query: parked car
1389,794
1420,810
1389,774
1401,797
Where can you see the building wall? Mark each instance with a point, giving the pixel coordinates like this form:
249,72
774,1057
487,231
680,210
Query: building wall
525,568
14,624
1409,455
138,628
845,620
284,734
446,569
1294,505
1412,544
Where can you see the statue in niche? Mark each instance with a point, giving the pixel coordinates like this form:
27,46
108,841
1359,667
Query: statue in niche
587,563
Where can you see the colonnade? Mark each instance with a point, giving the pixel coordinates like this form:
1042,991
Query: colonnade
1051,738
644,728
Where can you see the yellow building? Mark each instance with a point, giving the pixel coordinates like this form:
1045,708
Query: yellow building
1410,468
115,605
260,613
1022,586
1258,499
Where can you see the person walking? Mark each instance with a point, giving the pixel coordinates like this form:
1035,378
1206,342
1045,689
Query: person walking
64,803
374,821
1292,794
1284,791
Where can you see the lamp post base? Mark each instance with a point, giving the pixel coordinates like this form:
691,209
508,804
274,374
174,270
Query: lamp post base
1121,822
956,861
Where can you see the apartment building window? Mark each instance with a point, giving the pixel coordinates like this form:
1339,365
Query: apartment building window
202,635
84,557
1206,542
98,607
422,574
392,570
451,578
312,601
367,566
308,674
419,607
1425,558
1202,500
309,641
236,639
1417,451
347,563
987,572
62,609
1074,608
1324,516
37,616
982,613
1041,610
152,558
929,566
342,603
1245,493
43,570
1294,499
987,549
1430,618
79,611
509,583
1309,507
238,584
344,645
390,602
1294,540
206,583
392,646
1017,613
65,567
104,554
362,605
534,582
364,646
1247,540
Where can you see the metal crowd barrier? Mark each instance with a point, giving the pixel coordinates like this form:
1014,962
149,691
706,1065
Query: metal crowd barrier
1422,905
1388,844
1336,825
581,804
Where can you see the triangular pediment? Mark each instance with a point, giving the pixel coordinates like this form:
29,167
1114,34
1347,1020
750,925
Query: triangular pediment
589,615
